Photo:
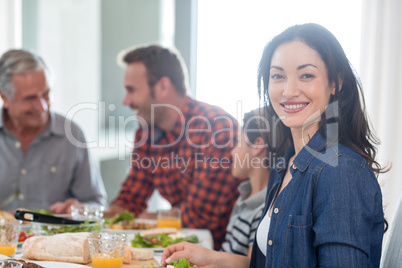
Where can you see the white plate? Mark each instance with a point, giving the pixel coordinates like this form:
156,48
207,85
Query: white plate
154,249
149,221
56,264
187,232
52,264
124,231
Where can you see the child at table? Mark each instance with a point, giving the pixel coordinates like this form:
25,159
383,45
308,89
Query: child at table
252,158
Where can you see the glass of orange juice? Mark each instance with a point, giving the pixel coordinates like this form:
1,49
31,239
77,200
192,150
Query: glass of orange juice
107,249
9,232
169,218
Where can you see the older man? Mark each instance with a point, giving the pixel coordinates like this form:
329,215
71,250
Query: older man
40,168
182,147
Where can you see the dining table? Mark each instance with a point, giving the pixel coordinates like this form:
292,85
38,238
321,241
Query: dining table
204,237
138,264
133,264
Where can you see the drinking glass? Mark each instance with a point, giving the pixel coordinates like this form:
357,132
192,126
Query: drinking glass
107,249
169,218
9,232
87,212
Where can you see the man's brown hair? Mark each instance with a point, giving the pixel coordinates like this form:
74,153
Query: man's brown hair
160,62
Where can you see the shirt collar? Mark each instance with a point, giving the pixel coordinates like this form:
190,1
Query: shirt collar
55,126
281,164
185,115
245,191
315,147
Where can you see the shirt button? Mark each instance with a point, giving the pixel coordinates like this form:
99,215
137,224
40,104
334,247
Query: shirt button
270,242
276,210
18,144
53,169
23,171
293,166
21,196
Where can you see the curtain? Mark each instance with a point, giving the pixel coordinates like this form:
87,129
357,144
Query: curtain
381,75
392,256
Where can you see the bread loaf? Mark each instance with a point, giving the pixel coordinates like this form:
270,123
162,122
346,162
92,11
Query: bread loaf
127,254
67,247
157,231
6,215
142,254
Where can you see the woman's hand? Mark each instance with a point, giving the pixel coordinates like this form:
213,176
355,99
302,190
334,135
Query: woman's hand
203,257
196,255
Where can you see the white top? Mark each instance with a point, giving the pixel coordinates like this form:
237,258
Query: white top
262,233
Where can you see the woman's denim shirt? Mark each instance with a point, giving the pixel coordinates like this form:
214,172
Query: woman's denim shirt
329,215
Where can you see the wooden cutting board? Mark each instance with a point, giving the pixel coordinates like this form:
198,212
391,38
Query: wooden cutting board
137,264
133,264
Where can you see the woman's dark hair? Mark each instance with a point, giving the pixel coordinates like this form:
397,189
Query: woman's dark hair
348,101
263,123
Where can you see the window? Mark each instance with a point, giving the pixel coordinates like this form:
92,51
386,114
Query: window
232,35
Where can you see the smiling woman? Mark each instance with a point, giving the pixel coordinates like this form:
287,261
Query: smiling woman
306,78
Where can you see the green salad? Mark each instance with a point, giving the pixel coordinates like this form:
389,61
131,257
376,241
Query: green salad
44,211
160,240
50,229
182,263
125,216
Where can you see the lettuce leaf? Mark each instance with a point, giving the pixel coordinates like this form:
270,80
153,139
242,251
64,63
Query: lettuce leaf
182,263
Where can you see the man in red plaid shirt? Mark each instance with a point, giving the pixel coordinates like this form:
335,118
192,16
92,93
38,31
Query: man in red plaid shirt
182,146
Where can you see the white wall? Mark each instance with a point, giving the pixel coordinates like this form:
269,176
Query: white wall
10,24
67,36
232,35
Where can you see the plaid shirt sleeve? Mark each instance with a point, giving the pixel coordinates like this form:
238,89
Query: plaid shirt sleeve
137,187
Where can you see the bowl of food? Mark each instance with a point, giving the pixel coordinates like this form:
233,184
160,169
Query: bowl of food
39,228
42,224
